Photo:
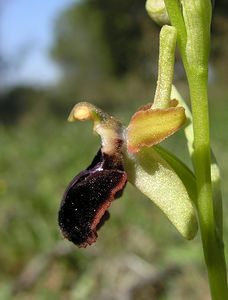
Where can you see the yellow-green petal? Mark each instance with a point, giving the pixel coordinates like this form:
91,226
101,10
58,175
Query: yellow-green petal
150,127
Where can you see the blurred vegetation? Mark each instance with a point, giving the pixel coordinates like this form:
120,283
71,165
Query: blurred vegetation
107,52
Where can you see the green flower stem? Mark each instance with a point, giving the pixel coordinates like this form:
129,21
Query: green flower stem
215,172
194,46
176,19
168,39
212,243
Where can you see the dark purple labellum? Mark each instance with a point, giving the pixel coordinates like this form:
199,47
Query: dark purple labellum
86,200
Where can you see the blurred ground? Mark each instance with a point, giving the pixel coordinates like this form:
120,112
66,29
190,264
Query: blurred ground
138,254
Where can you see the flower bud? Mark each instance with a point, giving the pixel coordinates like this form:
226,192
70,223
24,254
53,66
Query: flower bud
157,11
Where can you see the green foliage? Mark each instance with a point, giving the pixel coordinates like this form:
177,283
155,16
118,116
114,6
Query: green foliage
17,103
121,19
78,43
93,34
99,45
37,161
39,154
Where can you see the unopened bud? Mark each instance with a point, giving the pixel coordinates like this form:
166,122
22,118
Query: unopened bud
157,11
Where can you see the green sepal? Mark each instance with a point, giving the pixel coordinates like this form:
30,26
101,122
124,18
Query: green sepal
186,175
150,173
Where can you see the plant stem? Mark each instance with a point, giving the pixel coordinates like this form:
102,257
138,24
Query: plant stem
176,19
212,244
195,52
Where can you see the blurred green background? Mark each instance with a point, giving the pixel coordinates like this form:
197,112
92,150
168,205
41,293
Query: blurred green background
106,52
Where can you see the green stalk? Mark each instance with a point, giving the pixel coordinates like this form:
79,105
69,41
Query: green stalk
195,52
212,244
176,19
215,172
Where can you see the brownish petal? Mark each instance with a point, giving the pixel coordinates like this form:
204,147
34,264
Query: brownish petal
152,126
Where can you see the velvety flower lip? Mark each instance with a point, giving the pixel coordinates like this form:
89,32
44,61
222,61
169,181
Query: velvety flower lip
85,203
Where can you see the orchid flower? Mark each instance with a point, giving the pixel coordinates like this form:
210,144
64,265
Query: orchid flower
126,154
